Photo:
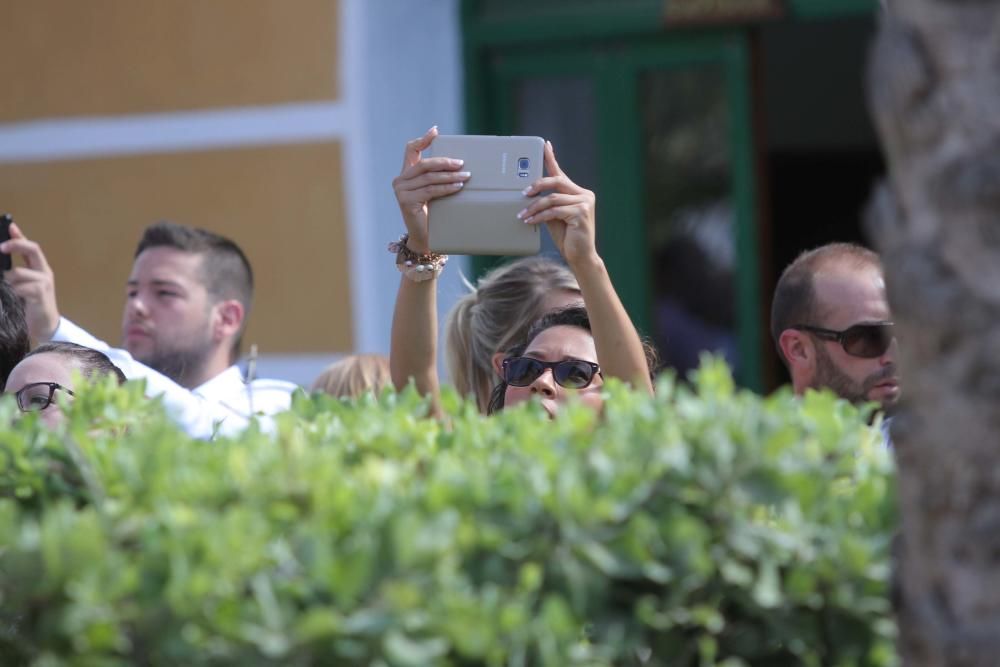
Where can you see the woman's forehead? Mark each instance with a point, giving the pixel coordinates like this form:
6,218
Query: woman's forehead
562,342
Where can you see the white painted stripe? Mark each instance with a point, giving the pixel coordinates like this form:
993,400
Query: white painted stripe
72,138
359,191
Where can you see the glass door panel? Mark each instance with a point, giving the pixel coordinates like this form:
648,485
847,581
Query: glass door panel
660,130
688,212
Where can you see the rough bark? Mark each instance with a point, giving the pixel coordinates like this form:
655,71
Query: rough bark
934,91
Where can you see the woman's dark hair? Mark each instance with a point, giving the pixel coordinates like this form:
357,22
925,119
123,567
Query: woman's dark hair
497,397
91,363
14,341
574,316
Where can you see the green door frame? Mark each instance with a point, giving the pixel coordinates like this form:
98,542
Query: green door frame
623,237
571,41
497,22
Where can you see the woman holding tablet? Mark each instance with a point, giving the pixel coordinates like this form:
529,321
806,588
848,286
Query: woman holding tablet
611,347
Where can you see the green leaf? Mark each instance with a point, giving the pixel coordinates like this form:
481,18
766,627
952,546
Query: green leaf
406,652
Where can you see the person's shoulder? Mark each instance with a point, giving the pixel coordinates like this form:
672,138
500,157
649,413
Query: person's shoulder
229,387
265,396
269,385
261,397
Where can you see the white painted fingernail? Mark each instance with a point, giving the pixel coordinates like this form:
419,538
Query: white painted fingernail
458,163
459,184
526,190
464,174
529,219
521,213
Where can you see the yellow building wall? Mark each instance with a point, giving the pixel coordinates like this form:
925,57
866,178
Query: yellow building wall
283,204
114,57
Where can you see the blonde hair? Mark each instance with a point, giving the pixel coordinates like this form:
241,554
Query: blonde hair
354,375
495,316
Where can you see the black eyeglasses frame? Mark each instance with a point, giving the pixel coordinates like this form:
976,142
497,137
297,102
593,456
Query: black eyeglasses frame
53,386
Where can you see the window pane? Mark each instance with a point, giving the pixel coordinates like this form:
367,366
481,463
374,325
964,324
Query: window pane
562,110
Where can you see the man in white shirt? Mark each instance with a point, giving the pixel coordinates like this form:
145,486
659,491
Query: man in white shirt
189,295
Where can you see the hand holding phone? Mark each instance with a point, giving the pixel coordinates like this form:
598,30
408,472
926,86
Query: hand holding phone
33,281
421,180
568,212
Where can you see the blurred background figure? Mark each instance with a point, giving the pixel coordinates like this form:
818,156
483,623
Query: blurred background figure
354,375
695,279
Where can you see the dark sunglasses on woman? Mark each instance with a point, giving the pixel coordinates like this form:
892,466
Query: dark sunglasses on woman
37,396
569,373
861,340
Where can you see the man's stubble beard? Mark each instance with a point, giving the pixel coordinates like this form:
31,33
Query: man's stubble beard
830,376
178,364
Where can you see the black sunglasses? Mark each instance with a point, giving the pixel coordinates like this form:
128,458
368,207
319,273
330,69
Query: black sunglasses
861,340
569,373
37,396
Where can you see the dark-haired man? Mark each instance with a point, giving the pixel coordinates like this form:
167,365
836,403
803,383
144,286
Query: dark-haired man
14,343
188,297
831,323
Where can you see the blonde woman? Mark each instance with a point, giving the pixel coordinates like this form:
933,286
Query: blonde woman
497,314
354,375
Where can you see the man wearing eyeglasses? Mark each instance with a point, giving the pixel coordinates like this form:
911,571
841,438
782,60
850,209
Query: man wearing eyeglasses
831,323
187,300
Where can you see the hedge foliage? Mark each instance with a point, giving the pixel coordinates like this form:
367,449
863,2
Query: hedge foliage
705,526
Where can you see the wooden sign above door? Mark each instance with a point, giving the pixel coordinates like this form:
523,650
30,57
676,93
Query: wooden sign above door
698,12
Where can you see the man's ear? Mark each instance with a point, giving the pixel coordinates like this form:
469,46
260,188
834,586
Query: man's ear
497,361
798,350
228,320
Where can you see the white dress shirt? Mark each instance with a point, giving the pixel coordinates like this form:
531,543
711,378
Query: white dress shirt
887,432
224,404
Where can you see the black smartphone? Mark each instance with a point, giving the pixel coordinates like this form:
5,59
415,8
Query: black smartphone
5,221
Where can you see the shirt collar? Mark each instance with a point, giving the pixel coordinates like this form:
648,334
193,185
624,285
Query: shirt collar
225,383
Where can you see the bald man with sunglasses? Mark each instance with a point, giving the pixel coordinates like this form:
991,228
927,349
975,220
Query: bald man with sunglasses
831,324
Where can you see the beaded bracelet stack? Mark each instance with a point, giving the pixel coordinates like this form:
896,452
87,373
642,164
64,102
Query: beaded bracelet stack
417,268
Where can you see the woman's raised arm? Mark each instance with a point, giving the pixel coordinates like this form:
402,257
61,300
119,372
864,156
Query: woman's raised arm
569,213
413,346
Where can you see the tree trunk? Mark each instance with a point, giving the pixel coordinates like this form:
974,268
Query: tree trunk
934,90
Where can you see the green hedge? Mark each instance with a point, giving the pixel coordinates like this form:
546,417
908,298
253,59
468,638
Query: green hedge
703,526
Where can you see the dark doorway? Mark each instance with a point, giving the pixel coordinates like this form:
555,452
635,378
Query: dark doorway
820,154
